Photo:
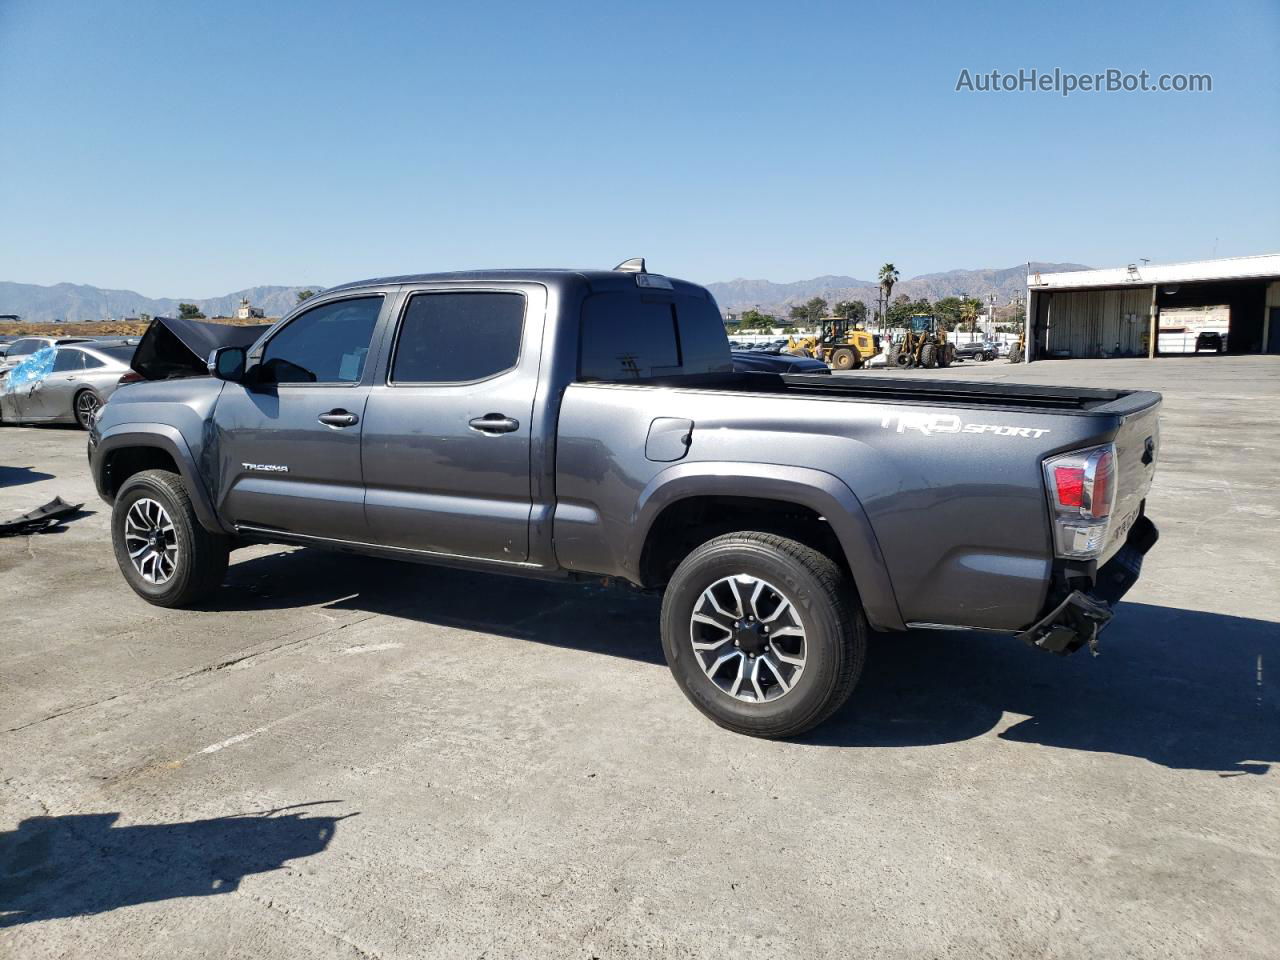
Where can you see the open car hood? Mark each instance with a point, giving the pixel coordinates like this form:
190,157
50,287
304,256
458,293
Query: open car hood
180,348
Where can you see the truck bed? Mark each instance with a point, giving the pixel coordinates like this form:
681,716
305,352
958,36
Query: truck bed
1006,396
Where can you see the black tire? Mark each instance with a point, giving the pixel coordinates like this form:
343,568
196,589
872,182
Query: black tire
902,359
827,605
929,356
842,359
83,410
201,557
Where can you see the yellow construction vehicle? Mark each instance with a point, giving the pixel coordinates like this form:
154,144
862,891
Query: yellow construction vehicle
923,344
1018,352
842,343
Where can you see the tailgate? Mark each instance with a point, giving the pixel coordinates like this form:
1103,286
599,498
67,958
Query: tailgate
1137,449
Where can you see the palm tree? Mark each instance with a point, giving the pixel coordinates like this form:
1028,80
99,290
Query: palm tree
969,313
888,277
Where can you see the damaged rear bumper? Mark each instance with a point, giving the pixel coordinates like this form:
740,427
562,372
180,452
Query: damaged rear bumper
1081,615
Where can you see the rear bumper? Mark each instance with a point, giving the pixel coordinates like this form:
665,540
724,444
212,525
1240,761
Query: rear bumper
1081,616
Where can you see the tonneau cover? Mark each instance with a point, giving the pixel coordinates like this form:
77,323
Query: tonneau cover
172,347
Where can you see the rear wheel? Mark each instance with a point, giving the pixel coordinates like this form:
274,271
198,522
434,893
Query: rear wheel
763,634
842,359
84,407
166,556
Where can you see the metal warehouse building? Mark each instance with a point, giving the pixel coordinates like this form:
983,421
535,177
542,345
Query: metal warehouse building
1148,310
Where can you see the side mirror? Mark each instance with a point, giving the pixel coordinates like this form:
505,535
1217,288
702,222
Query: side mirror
227,363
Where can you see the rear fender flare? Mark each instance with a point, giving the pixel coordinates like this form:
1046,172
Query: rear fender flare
822,492
160,436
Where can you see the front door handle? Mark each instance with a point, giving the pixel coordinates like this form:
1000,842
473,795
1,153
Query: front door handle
494,423
338,418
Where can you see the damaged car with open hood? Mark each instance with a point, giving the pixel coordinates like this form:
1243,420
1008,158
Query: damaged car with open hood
69,381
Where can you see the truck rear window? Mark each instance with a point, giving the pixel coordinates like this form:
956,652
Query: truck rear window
630,336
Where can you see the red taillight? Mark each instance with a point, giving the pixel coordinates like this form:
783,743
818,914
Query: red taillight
1100,489
132,376
1070,484
1081,488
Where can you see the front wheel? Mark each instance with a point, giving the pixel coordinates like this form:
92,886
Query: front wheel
842,360
763,634
166,556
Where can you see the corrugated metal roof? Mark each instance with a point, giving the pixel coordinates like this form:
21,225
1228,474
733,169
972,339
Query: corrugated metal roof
1146,274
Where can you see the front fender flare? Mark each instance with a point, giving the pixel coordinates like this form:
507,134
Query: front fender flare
169,439
822,492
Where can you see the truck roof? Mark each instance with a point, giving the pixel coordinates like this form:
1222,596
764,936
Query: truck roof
550,276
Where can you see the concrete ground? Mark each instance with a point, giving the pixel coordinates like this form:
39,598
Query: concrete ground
351,758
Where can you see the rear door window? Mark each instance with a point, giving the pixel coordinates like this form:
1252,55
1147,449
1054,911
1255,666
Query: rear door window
458,337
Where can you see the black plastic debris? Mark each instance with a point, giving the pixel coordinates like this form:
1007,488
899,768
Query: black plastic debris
39,519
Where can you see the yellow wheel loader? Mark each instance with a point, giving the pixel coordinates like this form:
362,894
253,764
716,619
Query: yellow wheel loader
841,343
924,344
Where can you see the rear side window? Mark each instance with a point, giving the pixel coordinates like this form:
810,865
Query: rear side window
328,344
68,360
629,336
458,337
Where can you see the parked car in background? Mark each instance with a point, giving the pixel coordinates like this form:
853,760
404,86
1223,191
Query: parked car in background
750,361
66,386
1211,340
24,347
977,350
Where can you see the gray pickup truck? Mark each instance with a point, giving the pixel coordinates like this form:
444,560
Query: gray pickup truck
563,423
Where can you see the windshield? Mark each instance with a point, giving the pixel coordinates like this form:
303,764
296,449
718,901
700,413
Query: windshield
24,348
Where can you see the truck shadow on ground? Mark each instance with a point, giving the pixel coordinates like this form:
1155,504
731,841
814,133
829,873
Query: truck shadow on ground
1181,688
83,864
16,476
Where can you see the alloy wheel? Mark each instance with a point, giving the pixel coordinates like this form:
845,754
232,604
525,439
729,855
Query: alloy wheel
151,540
87,405
748,638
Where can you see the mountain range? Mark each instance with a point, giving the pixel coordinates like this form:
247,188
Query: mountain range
79,303
777,298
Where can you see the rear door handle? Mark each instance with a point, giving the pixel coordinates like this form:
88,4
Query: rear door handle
494,423
338,418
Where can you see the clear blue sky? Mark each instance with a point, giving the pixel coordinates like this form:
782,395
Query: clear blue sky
189,149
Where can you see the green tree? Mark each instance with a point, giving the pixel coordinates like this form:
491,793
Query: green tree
854,310
305,294
949,310
810,312
904,308
755,320
189,311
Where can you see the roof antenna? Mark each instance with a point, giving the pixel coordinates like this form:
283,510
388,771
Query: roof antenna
634,265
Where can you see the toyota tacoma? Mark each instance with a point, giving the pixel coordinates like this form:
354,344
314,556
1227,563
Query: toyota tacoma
562,423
